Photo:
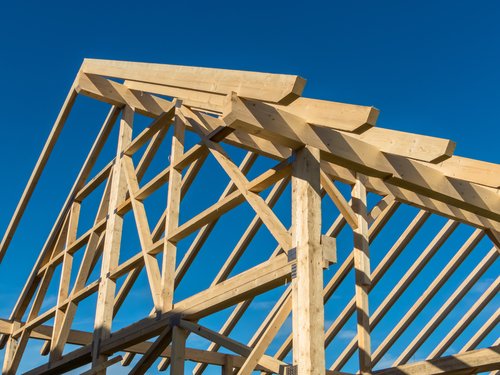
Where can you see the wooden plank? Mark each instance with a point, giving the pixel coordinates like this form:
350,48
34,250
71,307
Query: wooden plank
37,170
378,273
172,220
178,357
94,182
267,337
361,255
339,200
269,363
141,221
153,352
161,122
267,216
64,284
263,86
83,338
413,146
346,150
342,271
232,200
256,280
114,93
477,171
475,361
307,286
340,116
228,367
212,102
270,274
111,251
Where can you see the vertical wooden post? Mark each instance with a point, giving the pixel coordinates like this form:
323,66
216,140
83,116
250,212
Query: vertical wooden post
111,250
179,336
227,368
362,271
172,217
9,367
67,265
307,286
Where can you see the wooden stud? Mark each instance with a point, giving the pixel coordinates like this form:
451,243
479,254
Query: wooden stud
179,336
307,286
104,309
363,274
172,218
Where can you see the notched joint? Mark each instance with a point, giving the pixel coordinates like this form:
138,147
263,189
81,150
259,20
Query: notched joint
175,320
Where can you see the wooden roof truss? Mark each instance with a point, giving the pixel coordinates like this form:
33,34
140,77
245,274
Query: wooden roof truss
316,146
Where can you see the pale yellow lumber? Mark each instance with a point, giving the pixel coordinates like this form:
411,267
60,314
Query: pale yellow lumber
477,171
114,93
172,220
348,151
104,309
414,146
340,116
263,86
361,255
307,286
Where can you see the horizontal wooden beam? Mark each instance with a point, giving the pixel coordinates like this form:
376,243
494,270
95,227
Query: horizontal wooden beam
202,100
344,149
340,116
257,280
410,145
477,171
83,338
262,86
475,361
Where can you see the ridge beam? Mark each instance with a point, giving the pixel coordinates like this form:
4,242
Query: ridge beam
262,86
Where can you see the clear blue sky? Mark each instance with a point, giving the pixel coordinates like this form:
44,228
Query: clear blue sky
431,67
